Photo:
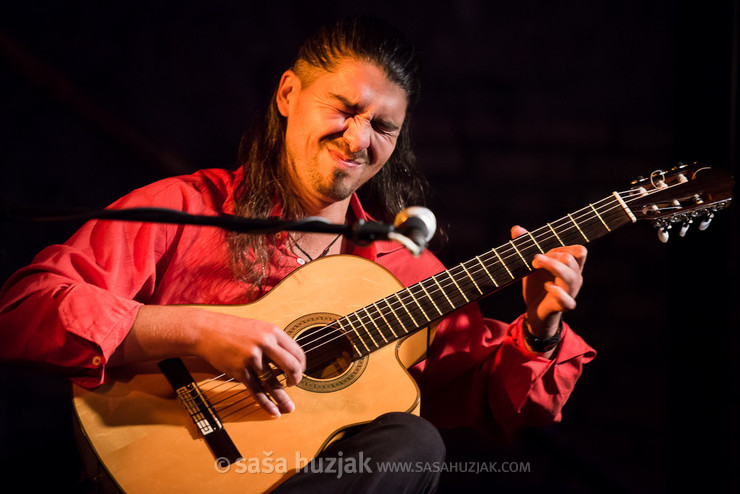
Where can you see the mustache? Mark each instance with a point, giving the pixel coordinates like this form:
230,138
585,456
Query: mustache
340,146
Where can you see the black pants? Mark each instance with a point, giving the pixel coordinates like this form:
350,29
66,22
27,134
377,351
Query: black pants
395,453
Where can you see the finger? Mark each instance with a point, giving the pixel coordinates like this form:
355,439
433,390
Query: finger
579,253
563,300
517,231
271,385
283,351
565,268
259,394
281,398
568,259
288,363
292,347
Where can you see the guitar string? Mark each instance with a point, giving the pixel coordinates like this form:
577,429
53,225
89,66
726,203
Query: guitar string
230,411
627,197
244,391
450,275
215,399
617,207
248,394
359,318
505,254
367,322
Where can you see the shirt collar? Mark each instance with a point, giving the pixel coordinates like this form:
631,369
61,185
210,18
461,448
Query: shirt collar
377,248
371,251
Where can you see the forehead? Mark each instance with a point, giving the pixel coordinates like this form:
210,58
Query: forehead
363,85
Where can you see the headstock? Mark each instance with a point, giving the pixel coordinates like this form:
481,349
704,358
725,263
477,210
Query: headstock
684,194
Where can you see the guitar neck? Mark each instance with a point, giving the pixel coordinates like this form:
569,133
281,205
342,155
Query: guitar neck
419,305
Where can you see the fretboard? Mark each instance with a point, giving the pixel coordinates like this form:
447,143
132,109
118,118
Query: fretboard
415,307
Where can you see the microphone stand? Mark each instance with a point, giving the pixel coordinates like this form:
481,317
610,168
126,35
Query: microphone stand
360,233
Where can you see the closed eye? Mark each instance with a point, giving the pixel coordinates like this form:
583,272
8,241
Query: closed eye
385,128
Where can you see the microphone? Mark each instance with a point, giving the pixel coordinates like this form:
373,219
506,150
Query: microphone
414,227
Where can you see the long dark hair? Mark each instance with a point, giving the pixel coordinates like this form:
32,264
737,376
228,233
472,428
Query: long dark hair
398,184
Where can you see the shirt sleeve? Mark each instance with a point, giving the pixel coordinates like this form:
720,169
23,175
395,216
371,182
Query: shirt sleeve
75,303
480,374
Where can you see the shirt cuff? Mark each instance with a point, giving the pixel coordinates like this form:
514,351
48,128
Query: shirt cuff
101,319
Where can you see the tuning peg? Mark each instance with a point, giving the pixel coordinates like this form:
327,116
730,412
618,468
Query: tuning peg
685,228
705,222
663,234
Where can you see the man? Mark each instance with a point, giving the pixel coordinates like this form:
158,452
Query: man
338,124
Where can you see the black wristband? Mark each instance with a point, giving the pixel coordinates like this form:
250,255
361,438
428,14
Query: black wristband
541,344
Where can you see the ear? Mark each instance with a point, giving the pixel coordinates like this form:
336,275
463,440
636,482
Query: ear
288,89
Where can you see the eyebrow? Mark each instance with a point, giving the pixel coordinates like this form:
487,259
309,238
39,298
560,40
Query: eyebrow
387,124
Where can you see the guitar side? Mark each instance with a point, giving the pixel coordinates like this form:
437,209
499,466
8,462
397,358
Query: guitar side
147,442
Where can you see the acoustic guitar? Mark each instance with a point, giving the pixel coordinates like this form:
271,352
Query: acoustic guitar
175,426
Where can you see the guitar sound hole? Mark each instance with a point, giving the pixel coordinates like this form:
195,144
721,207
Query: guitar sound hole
328,353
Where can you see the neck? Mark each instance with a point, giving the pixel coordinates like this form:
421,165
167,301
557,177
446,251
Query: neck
314,245
334,212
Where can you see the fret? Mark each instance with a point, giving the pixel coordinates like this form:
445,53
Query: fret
417,302
579,228
593,227
503,264
430,299
569,234
520,256
389,325
407,310
449,273
545,241
487,272
473,279
344,331
601,224
441,290
535,243
529,249
362,325
451,292
556,234
600,218
372,320
398,318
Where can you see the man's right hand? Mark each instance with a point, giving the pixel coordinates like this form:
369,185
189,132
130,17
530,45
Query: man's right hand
241,348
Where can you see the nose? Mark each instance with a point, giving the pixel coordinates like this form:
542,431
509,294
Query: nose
357,134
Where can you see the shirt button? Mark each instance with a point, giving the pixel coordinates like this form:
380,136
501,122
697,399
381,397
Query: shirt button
301,261
96,360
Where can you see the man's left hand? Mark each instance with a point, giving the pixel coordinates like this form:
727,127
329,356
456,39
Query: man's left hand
552,288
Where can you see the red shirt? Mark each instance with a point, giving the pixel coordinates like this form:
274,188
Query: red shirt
76,302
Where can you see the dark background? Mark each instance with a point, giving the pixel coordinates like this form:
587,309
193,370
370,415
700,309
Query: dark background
529,110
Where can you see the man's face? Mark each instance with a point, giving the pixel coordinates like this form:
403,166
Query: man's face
341,128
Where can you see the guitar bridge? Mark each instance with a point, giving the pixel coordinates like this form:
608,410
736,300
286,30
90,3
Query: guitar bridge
200,410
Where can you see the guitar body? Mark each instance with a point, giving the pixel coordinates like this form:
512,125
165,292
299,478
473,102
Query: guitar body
147,442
